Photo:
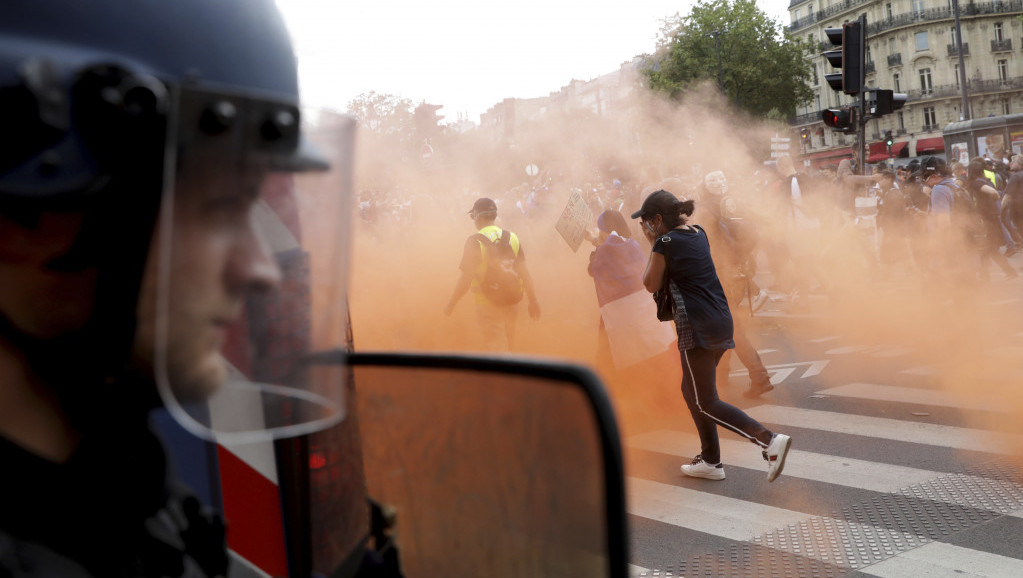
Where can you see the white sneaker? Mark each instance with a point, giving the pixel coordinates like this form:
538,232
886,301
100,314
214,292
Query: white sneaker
701,469
775,455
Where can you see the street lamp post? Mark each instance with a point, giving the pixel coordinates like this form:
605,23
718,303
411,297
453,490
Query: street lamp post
965,109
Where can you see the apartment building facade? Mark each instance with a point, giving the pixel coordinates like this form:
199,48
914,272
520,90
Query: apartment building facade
609,95
912,49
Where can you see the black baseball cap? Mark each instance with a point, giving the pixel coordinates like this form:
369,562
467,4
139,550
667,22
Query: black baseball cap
931,165
657,203
482,206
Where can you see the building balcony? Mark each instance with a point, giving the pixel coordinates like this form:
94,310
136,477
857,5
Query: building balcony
836,8
804,22
808,118
944,13
952,49
931,127
869,67
900,131
995,85
942,91
1001,45
895,59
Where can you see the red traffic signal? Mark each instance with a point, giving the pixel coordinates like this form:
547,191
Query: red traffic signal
840,119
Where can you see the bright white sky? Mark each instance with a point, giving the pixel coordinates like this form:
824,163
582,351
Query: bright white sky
468,55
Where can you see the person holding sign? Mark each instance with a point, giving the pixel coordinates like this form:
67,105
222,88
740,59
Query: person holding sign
634,347
629,330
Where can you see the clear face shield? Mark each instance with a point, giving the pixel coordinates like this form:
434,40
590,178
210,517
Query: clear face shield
251,251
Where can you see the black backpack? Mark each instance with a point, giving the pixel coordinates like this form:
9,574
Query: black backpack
964,208
501,285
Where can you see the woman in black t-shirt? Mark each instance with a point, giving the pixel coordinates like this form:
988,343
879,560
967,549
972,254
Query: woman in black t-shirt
681,257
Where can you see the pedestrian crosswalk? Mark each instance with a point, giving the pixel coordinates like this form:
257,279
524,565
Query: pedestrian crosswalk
884,515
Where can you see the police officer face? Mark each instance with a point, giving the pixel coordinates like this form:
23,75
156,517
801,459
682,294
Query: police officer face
220,255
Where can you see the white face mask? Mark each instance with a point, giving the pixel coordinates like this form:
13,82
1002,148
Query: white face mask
715,183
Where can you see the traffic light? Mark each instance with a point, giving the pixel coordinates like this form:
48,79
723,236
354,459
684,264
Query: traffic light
887,102
804,134
427,120
888,140
840,119
849,57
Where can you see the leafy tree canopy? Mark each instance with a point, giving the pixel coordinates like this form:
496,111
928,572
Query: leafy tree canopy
757,64
384,114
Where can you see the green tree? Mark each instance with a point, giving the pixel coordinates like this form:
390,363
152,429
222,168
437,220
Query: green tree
732,43
383,114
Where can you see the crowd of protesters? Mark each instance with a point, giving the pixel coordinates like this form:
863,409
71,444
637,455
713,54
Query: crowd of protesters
800,233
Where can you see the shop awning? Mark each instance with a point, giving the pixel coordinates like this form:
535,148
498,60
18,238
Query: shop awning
879,151
930,145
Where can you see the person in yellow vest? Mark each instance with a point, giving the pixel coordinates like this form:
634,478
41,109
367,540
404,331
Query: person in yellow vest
494,268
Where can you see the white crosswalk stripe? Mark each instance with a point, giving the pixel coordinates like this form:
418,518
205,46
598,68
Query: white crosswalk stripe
875,476
709,513
940,560
887,428
917,395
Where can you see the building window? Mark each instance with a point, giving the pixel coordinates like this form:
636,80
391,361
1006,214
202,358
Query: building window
925,82
958,85
918,6
888,10
921,41
999,32
819,102
902,122
1003,70
1005,107
930,120
809,11
897,82
891,45
816,79
953,37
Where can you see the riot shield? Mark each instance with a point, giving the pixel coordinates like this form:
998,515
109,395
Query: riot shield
494,468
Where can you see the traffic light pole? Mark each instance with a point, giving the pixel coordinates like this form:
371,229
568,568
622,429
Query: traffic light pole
861,124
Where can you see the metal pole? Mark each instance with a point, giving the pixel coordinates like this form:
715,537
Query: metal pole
965,109
861,125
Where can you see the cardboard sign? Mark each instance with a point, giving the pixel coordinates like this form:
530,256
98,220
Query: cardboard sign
574,221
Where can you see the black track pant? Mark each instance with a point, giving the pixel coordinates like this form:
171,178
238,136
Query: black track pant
700,392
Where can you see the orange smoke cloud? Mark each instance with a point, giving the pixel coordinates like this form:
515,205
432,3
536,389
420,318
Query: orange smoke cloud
404,269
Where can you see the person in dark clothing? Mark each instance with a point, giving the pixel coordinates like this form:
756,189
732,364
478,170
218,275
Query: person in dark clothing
680,262
1012,203
734,239
893,218
990,235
